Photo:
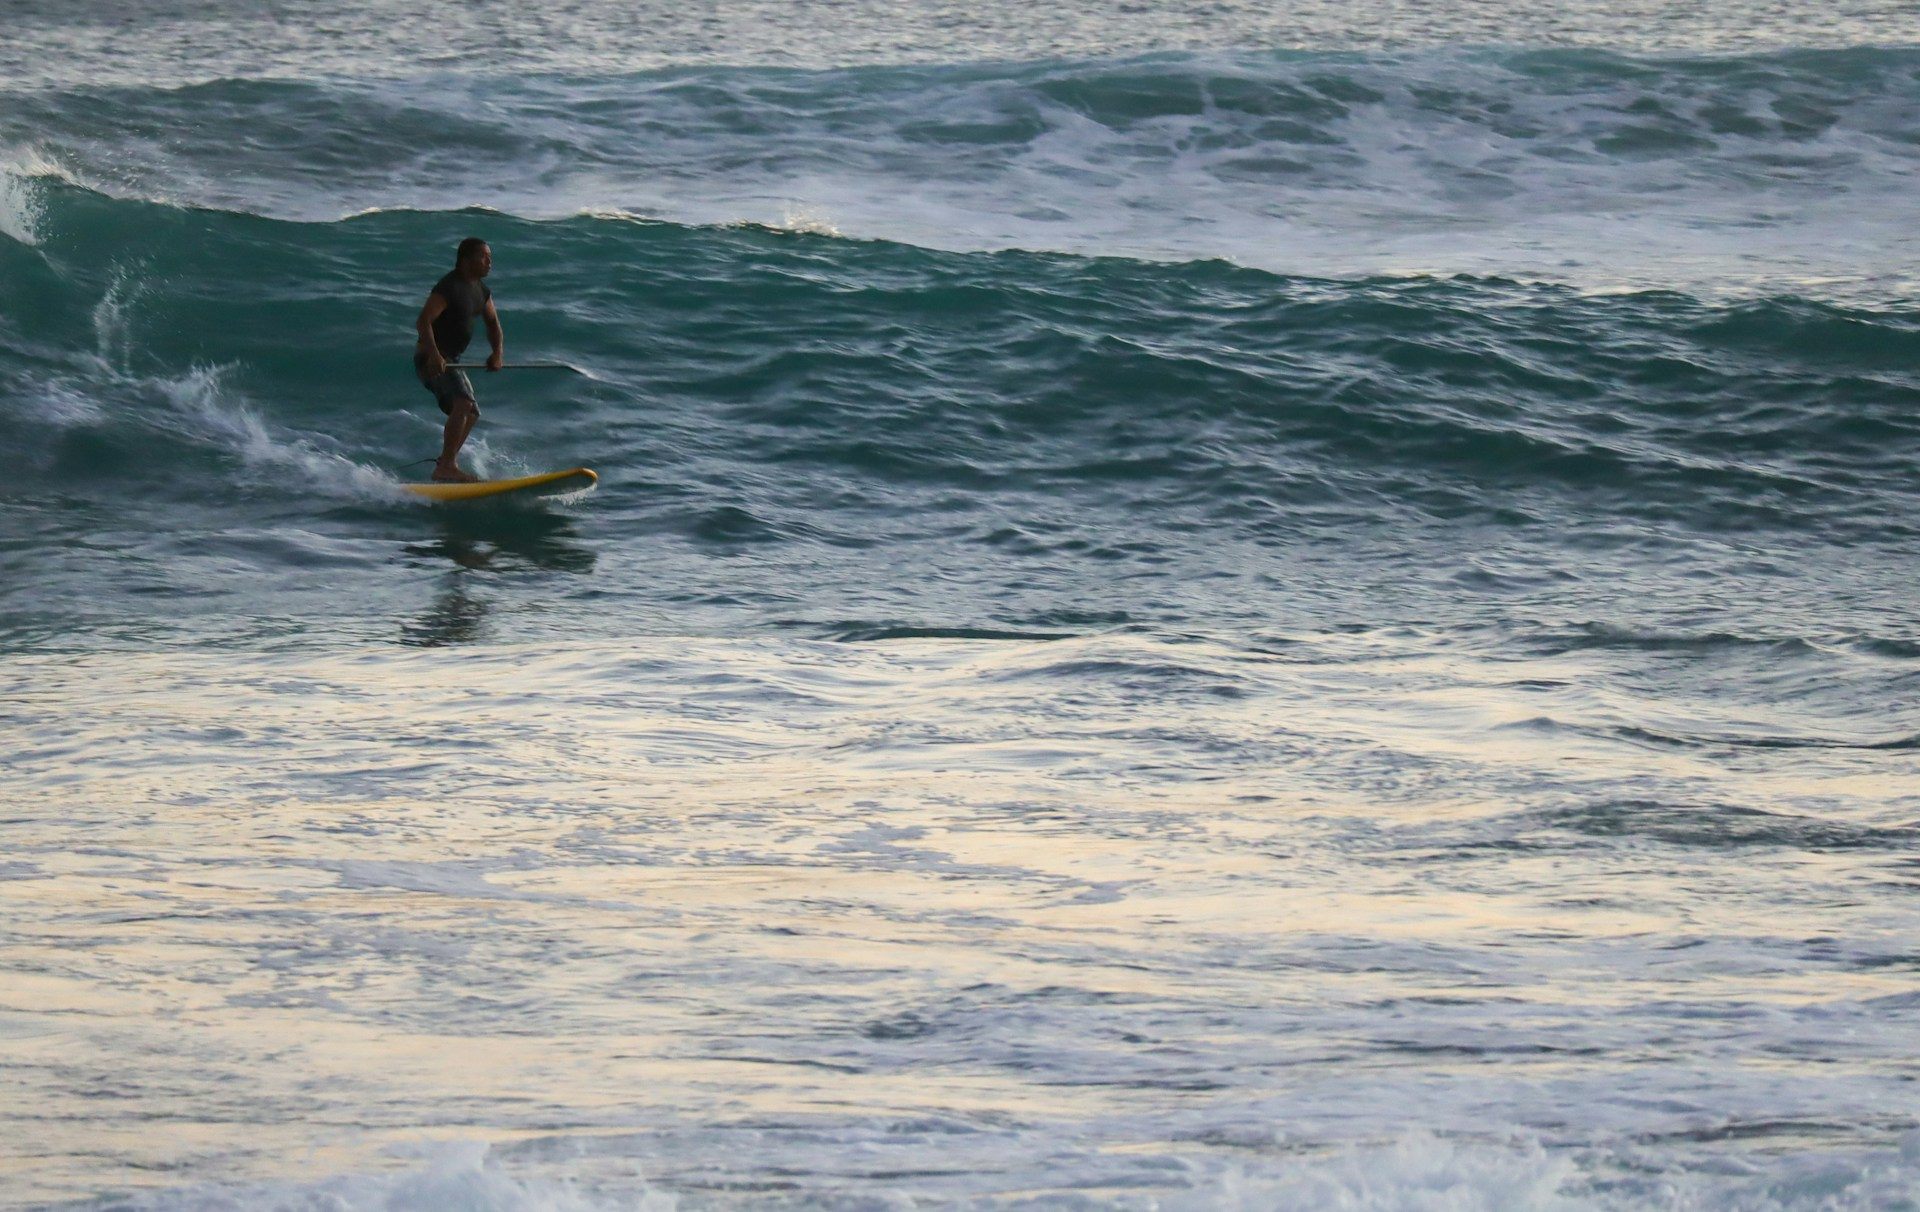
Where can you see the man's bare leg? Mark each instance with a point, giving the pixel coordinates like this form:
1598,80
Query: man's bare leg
460,421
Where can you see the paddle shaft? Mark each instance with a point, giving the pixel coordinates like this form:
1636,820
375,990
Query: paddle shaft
518,366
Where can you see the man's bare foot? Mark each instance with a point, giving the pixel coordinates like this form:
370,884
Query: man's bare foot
453,475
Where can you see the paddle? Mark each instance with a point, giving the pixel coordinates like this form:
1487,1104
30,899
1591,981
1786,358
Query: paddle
522,366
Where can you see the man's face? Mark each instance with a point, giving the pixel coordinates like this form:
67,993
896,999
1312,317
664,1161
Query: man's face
480,262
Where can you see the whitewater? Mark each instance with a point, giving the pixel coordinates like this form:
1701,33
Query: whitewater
1187,608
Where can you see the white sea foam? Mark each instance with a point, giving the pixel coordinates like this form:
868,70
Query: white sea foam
112,328
91,45
210,412
457,1178
1591,170
21,208
198,406
799,217
1417,1172
1421,1172
64,404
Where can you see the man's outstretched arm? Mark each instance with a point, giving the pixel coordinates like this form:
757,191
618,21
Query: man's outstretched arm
437,362
495,338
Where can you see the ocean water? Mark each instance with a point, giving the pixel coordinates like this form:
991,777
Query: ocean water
1189,607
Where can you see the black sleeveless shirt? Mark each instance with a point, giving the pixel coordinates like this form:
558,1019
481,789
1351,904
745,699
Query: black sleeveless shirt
466,301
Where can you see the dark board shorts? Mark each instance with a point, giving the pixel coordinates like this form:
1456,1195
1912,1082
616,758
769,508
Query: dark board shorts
447,386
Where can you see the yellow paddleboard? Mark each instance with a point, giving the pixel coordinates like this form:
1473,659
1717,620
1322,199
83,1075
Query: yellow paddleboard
552,483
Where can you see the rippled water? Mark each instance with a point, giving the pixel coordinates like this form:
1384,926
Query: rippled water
960,918
1195,609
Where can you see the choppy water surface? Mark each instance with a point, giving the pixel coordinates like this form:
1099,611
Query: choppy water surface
1185,610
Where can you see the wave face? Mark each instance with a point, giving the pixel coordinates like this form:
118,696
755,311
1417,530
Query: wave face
1291,606
886,408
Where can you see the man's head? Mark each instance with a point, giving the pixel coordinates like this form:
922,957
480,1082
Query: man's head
473,259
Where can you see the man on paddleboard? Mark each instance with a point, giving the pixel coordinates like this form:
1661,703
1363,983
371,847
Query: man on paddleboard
446,327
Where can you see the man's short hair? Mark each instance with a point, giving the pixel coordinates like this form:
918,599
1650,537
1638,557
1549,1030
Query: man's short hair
468,247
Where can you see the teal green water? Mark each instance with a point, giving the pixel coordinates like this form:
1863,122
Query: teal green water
1184,610
1055,442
